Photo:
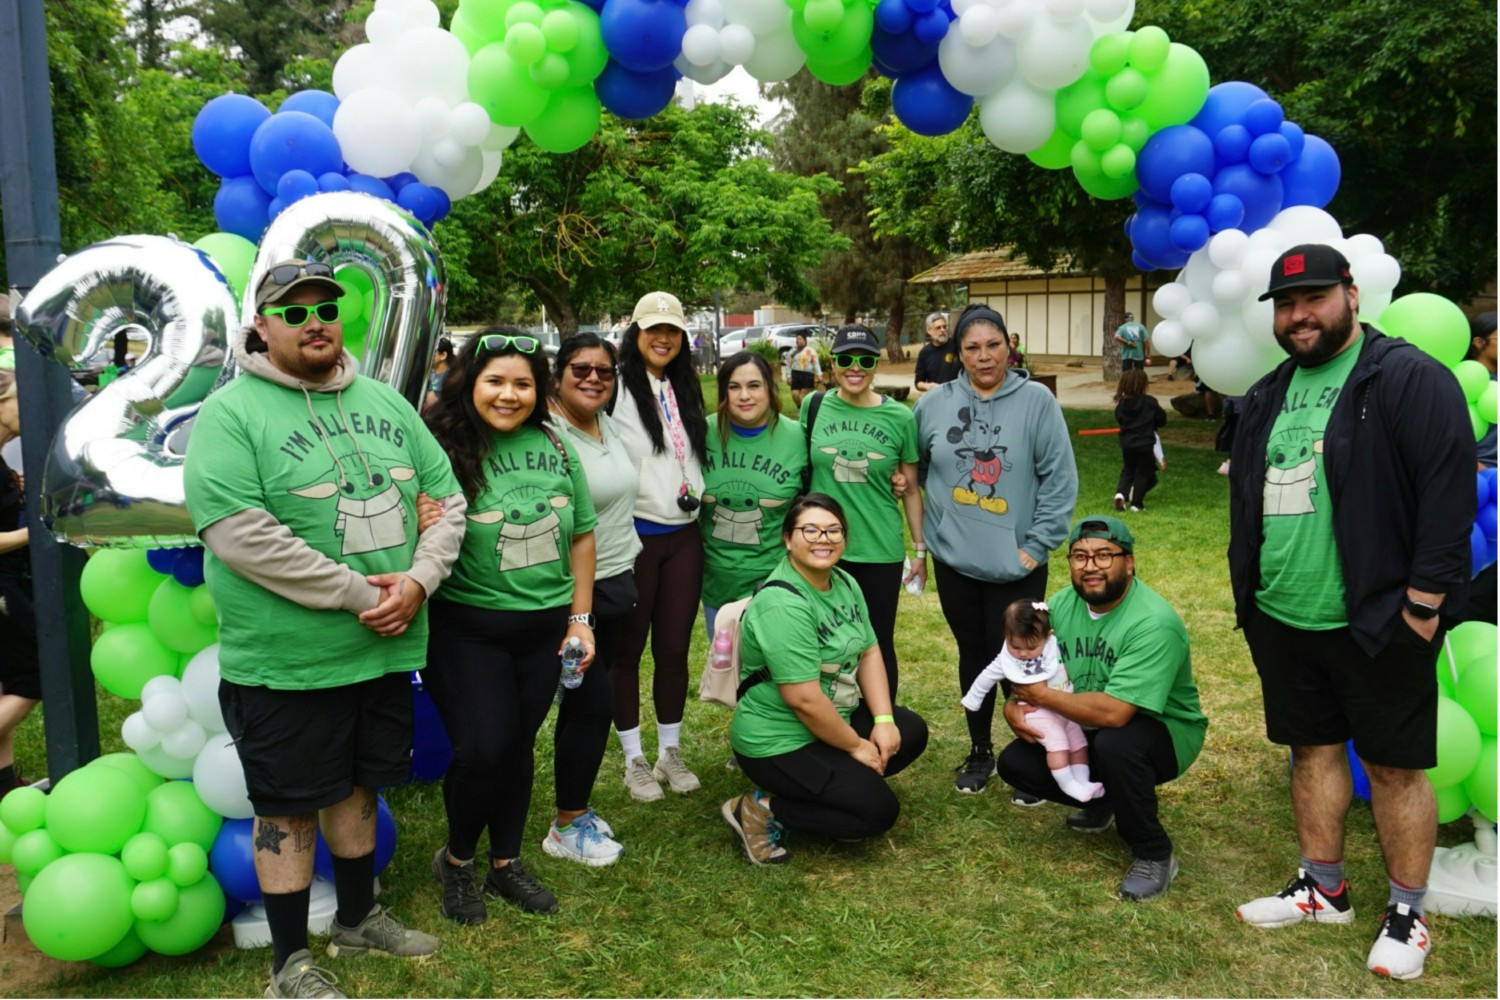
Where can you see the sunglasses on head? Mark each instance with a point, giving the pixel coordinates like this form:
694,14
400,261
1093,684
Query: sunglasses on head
865,361
285,274
605,373
298,315
500,341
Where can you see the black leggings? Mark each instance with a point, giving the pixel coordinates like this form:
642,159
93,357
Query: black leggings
821,789
669,576
1138,476
582,732
975,611
881,585
492,675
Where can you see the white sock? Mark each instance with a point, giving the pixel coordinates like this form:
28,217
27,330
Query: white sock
1082,791
630,742
668,734
1080,772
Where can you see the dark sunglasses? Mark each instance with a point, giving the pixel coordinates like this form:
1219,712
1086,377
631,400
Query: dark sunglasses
500,341
298,315
285,274
865,361
605,373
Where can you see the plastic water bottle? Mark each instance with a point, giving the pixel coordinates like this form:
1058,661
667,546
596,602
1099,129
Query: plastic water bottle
572,663
720,655
914,585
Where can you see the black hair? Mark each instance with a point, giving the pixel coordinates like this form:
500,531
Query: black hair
569,350
1132,383
978,312
444,346
1024,620
680,376
1481,325
727,369
455,423
813,501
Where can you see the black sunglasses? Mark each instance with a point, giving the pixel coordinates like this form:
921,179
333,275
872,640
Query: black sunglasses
285,274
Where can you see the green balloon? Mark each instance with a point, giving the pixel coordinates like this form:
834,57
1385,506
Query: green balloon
7,843
1054,154
525,42
200,911
352,304
1478,692
588,56
201,606
116,585
1457,745
823,16
569,121
354,278
1110,53
1487,403
79,907
1077,101
176,814
145,857
172,619
1473,379
1089,171
187,863
473,38
154,900
1101,129
130,949
1481,784
34,851
1177,90
1134,131
1445,672
23,882
1126,89
522,12
841,43
1430,322
125,658
561,29
95,809
550,72
503,88
1118,161
1149,48
1452,803
131,765
1472,642
485,17
234,256
840,74
24,809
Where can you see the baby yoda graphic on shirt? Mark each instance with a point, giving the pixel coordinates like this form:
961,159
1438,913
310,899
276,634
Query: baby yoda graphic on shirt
1291,472
371,513
851,461
737,516
531,530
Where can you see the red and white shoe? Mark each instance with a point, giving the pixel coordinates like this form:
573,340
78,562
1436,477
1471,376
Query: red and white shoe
1302,899
1402,944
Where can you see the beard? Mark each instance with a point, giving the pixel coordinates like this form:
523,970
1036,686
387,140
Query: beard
1113,589
1330,341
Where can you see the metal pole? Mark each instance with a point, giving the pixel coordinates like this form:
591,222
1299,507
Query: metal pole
33,240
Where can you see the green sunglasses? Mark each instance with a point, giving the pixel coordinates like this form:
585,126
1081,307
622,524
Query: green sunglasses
500,341
298,315
865,361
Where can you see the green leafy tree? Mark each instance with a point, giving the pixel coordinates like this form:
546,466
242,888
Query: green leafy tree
275,37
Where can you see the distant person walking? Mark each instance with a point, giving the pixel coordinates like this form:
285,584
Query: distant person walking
1139,415
1135,344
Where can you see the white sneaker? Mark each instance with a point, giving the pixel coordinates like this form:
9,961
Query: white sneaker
670,769
641,783
582,842
1119,501
1302,899
1402,944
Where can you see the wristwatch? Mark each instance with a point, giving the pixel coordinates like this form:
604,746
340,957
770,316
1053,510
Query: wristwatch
1418,610
583,619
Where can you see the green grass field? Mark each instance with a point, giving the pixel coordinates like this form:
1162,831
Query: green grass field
966,896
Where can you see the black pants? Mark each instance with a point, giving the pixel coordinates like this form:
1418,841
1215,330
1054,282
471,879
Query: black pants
492,675
583,721
1126,364
1138,476
881,585
1131,761
669,576
975,611
821,789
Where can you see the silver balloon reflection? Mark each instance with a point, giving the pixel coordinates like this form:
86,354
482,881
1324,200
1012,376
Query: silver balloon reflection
348,229
114,475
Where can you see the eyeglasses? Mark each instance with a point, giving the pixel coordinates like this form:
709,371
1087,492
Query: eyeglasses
605,373
813,533
865,361
285,274
500,341
1104,558
298,315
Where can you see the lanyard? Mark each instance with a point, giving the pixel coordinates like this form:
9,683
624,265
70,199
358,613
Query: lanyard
667,400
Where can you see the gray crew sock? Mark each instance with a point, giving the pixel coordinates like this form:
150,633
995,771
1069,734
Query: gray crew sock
1411,897
1329,874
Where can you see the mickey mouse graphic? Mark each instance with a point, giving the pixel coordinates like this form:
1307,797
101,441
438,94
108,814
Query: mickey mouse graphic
981,460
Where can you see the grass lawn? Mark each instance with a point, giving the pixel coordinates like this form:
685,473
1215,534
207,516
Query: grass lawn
967,896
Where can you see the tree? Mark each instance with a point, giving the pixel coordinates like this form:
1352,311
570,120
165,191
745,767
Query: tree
274,36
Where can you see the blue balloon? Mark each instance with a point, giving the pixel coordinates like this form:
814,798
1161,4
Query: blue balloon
1292,133
241,207
1232,145
1491,475
399,181
292,140
1481,486
295,185
643,35
385,843
444,206
1270,153
222,132
1226,105
1189,232
162,560
319,103
1151,236
333,182
1260,193
1191,193
1478,551
1263,117
431,750
1169,154
893,15
188,569
1140,263
633,95
276,207
1312,178
371,185
1225,211
927,103
1486,521
922,6
232,861
419,199
930,27
900,53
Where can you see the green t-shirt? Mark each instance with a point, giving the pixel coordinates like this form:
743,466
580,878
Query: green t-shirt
1137,653
855,451
747,488
809,635
1301,578
255,446
1134,348
516,554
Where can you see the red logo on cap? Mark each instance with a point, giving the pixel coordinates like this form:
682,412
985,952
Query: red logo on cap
1293,265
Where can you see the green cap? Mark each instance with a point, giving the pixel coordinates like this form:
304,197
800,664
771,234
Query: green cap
1103,526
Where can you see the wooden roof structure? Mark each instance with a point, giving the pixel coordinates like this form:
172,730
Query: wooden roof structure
998,264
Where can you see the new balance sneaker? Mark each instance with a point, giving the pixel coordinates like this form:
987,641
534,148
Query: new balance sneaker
1091,819
1119,501
515,883
380,933
462,900
1402,944
605,830
761,835
299,977
674,773
1302,899
641,782
1025,799
1146,880
974,773
582,842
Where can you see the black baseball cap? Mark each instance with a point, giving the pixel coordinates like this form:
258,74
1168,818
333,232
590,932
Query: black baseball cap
855,340
1308,265
1103,526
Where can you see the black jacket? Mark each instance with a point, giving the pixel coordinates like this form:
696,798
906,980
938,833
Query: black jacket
1398,455
1139,417
934,364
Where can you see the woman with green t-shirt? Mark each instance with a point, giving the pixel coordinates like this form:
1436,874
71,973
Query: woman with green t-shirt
859,439
522,586
752,471
815,727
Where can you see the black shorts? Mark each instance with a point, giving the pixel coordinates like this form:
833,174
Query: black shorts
1320,688
802,380
20,672
306,750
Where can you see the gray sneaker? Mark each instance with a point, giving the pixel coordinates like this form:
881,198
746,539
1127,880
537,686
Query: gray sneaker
299,977
1092,818
1146,880
380,933
670,769
641,782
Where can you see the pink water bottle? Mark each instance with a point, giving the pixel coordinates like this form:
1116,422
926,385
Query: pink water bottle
719,656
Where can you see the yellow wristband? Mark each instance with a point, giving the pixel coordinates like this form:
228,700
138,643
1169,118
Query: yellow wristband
885,718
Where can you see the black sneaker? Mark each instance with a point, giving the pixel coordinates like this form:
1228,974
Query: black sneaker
1025,799
462,900
974,773
1145,880
1091,819
516,884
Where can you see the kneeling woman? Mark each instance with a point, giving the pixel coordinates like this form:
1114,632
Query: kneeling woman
522,586
815,728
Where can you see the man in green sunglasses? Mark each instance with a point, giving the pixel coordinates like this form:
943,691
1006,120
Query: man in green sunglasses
297,318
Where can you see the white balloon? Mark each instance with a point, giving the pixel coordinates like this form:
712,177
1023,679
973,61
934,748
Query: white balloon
164,764
1232,364
360,68
1305,224
432,116
979,25
777,56
763,17
1227,249
165,711
469,124
1019,118
185,741
500,137
384,27
200,686
962,7
736,44
164,684
1051,55
1362,245
378,132
458,180
1198,275
429,62
1256,267
1376,277
1111,16
1170,300
712,73
219,779
1169,337
700,45
137,733
978,71
1257,321
1064,11
1200,321
1230,288
1016,18
424,14
490,172
709,12
448,154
